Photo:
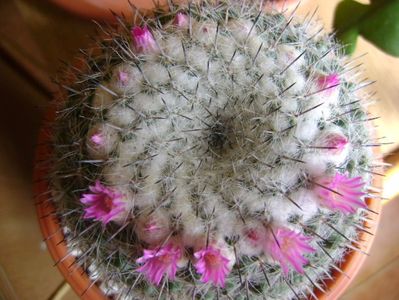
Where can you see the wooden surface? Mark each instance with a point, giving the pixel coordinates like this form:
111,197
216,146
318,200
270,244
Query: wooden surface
35,37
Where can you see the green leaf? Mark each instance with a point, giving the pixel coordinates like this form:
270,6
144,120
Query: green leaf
382,28
348,14
349,40
377,22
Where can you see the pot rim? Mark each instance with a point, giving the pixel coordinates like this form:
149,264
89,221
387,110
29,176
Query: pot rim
101,12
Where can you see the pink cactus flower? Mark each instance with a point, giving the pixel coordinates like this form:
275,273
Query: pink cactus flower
341,193
143,40
160,261
181,20
102,204
288,247
123,77
97,139
336,143
328,84
212,265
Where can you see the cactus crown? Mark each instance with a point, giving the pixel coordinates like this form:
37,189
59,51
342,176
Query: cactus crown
204,153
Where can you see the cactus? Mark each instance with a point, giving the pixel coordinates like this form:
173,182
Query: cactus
212,150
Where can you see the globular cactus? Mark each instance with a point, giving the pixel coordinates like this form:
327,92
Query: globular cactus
213,150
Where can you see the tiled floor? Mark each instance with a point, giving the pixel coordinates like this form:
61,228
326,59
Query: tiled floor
26,270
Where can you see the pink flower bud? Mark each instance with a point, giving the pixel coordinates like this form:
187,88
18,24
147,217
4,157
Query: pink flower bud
253,235
97,139
328,84
181,20
123,77
143,40
336,143
154,228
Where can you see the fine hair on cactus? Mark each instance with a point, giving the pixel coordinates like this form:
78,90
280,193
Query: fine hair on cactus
212,150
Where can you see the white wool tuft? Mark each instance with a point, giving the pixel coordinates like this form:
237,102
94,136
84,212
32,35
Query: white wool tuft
279,122
308,201
287,175
328,95
152,170
287,146
155,73
193,231
121,116
315,164
239,63
147,102
266,64
253,44
281,209
118,174
172,47
288,105
226,220
226,47
241,29
198,58
131,149
286,54
294,76
181,203
252,199
307,127
172,100
185,80
268,87
217,74
204,32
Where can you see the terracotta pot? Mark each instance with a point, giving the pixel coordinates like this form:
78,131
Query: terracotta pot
87,289
49,225
101,9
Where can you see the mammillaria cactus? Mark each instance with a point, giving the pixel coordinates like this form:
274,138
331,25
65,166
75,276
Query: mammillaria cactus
213,150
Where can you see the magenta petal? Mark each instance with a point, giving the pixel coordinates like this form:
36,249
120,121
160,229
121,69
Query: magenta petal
212,265
160,262
350,190
143,39
181,20
102,204
290,250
